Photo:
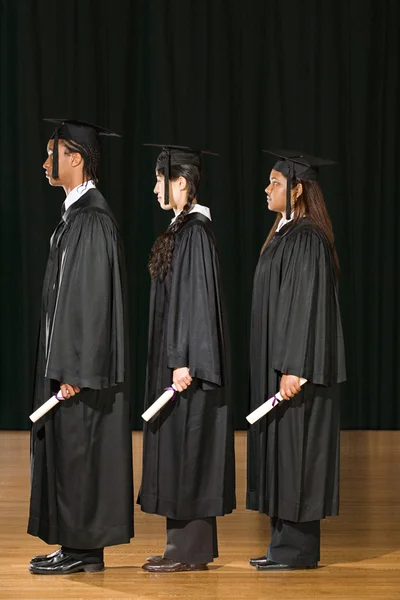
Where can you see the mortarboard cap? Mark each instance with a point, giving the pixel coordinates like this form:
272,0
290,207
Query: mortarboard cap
85,134
297,165
171,156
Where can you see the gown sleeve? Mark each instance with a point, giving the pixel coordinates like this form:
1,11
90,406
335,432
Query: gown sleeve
308,338
86,338
195,328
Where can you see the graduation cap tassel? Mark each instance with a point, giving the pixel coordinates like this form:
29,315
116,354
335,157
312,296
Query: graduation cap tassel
289,192
166,177
55,155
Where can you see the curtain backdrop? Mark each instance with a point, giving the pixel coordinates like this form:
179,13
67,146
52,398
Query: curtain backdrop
233,77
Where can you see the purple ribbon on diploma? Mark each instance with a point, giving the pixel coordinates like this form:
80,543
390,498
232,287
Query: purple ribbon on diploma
62,397
275,400
170,388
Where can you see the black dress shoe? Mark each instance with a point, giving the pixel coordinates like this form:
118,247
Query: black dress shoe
270,565
172,566
260,561
154,559
62,564
44,557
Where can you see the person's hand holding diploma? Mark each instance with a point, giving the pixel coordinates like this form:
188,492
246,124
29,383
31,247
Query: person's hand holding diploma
68,391
290,386
181,379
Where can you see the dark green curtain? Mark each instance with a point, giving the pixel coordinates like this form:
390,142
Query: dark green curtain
235,77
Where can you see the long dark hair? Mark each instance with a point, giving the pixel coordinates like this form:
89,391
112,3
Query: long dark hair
160,259
311,204
91,159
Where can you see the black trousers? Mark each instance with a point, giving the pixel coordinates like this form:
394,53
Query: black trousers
192,542
95,555
295,544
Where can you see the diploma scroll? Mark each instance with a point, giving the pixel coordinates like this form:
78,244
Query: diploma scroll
48,405
158,404
267,406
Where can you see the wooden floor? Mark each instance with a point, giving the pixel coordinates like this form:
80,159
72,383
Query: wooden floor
360,549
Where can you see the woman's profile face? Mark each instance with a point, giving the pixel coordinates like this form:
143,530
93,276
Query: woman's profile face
159,189
276,192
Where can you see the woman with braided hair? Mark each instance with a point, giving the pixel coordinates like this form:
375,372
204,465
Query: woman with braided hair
188,454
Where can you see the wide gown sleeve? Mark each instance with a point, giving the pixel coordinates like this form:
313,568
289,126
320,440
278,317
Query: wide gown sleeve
308,339
86,340
195,327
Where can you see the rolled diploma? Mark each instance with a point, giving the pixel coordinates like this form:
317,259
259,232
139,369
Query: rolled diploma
267,406
42,410
158,404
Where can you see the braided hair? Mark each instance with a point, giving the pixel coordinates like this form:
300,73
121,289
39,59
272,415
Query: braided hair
160,260
91,159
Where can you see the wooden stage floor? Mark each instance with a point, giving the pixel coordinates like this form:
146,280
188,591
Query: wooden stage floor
360,549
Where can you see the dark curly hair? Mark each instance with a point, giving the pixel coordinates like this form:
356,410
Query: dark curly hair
160,260
91,158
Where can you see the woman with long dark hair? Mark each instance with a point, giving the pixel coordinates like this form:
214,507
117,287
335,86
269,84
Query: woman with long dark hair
293,452
188,454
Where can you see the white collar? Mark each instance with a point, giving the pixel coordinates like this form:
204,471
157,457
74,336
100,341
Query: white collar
196,208
284,221
77,192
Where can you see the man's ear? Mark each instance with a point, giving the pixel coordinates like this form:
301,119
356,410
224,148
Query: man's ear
76,159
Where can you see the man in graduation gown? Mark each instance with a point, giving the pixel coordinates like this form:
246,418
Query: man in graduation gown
81,452
293,452
188,448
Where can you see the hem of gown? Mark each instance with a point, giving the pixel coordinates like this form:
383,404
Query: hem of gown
208,377
291,511
93,383
313,378
214,379
114,536
198,510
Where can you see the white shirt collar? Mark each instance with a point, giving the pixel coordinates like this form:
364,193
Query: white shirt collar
284,220
77,192
196,208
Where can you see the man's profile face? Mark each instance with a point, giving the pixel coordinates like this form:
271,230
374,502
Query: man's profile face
65,164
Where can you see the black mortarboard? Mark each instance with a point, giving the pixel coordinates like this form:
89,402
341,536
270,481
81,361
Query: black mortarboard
296,165
85,134
171,156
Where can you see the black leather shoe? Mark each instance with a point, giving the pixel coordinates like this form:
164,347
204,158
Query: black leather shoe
154,559
270,565
61,564
44,557
260,561
172,566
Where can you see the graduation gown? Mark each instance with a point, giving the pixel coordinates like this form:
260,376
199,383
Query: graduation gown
81,451
188,452
293,452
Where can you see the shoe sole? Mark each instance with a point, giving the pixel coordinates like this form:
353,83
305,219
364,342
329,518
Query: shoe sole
172,571
95,568
145,568
260,568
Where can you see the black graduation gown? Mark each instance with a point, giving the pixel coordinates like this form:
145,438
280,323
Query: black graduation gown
293,452
81,451
188,451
